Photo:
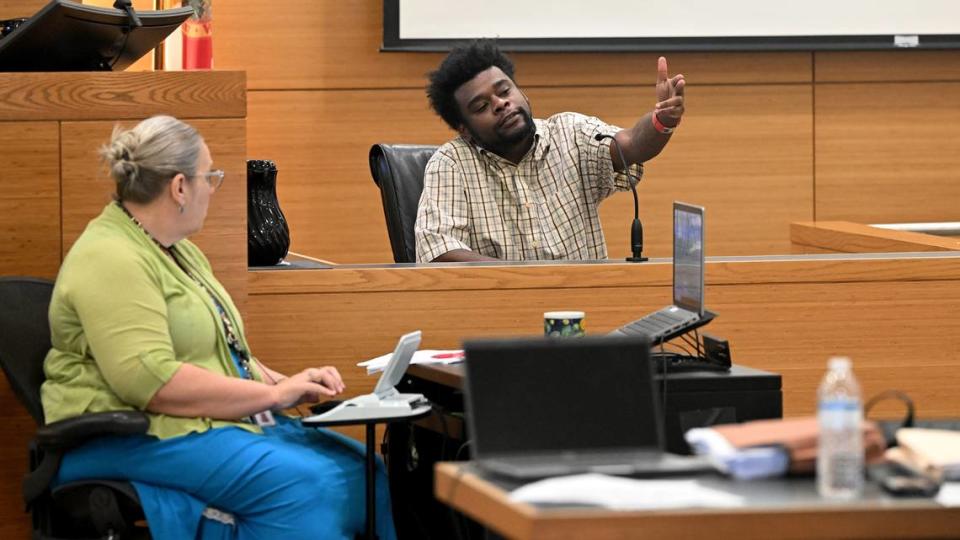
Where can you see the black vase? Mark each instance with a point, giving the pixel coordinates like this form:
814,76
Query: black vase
268,236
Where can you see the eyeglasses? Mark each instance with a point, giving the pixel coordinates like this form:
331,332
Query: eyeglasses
214,178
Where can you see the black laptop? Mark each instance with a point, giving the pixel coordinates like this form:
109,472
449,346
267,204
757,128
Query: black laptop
539,407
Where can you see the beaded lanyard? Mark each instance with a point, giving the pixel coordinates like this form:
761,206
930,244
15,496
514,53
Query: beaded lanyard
242,356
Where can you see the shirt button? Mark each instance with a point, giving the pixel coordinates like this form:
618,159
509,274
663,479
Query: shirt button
526,205
536,243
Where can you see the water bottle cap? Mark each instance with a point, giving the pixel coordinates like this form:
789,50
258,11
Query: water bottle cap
839,362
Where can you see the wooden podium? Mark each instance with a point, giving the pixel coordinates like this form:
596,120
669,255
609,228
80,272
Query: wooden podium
51,125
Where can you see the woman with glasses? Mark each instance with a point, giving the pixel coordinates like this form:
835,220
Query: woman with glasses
139,322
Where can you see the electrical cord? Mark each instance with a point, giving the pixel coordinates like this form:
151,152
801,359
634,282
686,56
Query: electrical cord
466,444
441,413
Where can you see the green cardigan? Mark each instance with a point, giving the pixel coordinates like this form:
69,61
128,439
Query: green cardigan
124,317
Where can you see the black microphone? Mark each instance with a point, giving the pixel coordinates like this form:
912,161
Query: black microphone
636,228
126,6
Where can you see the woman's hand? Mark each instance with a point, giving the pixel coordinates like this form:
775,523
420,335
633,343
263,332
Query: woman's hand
308,386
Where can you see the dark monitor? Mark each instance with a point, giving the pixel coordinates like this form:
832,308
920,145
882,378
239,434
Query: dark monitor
560,394
66,36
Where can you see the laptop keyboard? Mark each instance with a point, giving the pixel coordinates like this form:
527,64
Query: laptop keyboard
674,363
659,324
542,465
640,463
581,456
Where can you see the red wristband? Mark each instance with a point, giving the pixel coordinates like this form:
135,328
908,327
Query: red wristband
658,125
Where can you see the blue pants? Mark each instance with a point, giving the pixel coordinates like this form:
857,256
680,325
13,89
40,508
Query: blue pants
292,482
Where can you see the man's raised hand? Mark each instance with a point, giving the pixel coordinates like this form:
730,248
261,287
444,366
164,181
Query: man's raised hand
669,106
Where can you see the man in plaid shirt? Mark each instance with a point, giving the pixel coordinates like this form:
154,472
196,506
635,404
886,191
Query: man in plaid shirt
511,187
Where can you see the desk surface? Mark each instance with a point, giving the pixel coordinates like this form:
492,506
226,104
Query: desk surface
363,415
780,508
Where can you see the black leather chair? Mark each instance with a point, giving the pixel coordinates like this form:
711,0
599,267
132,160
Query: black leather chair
89,509
398,170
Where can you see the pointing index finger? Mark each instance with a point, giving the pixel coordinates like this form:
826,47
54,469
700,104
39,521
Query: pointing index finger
661,69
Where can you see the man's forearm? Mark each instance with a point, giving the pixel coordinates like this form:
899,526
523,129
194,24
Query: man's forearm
640,143
463,255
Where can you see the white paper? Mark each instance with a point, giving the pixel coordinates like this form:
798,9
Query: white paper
426,356
742,464
619,493
949,494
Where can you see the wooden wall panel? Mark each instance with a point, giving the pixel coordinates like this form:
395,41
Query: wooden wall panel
341,42
30,204
888,152
87,187
112,95
886,66
320,142
13,9
743,177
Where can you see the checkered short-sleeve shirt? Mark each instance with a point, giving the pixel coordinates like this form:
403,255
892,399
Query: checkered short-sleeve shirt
543,208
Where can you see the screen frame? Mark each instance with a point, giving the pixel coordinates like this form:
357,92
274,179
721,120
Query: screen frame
699,211
392,42
397,365
20,49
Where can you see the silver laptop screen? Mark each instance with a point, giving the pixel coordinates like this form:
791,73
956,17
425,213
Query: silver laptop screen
688,257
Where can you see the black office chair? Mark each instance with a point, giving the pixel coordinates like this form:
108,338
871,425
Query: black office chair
88,509
398,170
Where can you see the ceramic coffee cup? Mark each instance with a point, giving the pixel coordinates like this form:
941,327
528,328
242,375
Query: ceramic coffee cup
563,323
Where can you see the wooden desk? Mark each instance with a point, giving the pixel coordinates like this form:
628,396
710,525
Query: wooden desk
782,508
847,237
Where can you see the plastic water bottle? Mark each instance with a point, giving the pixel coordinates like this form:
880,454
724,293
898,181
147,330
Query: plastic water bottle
840,414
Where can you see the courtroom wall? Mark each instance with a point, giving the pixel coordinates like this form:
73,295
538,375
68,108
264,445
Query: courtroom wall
768,138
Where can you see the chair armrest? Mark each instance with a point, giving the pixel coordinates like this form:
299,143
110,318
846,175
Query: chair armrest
66,434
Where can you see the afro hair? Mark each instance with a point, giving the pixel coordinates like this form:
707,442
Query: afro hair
462,64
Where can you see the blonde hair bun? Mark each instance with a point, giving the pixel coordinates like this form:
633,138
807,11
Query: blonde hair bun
142,160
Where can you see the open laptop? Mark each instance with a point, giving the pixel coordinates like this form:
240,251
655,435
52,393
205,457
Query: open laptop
539,407
688,281
385,394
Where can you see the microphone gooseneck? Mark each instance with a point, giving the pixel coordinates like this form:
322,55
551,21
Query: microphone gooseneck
636,228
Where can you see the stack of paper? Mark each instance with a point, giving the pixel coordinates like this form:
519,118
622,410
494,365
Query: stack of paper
426,356
623,493
929,451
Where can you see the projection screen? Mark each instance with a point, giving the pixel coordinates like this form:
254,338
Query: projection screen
692,25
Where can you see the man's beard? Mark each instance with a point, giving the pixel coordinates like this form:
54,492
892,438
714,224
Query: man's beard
528,128
502,142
